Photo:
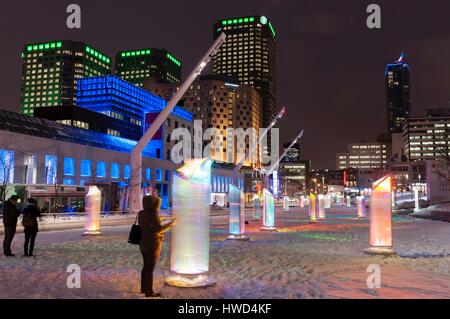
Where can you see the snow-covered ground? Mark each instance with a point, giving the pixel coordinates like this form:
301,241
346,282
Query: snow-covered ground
301,260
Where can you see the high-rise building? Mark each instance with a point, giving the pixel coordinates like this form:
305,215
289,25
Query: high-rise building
249,54
363,155
222,103
426,138
398,94
50,72
136,66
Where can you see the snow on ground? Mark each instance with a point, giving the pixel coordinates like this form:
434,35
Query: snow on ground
301,260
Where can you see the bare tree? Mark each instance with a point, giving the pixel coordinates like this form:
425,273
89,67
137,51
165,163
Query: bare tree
6,167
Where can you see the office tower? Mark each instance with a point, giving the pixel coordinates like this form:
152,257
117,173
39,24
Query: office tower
136,66
426,138
363,155
50,72
220,102
249,54
398,94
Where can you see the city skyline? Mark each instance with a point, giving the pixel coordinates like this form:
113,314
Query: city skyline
318,47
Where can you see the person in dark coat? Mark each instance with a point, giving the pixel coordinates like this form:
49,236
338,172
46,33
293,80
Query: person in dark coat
30,225
10,216
152,234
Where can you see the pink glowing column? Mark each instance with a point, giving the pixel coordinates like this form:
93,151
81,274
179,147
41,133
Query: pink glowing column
381,218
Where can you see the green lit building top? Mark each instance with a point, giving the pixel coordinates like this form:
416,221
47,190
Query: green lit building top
50,71
249,53
136,66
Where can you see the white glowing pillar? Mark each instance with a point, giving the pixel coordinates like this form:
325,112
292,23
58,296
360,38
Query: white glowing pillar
416,199
381,218
313,208
348,201
286,203
302,202
236,222
393,198
256,207
92,204
321,200
361,206
189,257
327,201
268,211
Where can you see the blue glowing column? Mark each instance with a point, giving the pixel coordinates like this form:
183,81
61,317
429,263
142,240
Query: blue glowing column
361,206
189,258
268,211
286,203
313,208
237,213
381,218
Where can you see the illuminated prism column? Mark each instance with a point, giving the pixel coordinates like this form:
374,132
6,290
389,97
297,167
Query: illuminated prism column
286,203
416,199
361,206
327,201
268,211
381,218
256,207
302,202
348,201
321,200
92,204
313,207
189,257
237,213
339,200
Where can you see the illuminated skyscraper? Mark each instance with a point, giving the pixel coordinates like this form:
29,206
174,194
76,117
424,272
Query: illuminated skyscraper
50,72
398,94
249,54
136,66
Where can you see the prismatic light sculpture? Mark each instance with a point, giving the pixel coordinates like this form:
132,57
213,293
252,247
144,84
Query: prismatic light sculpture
313,208
92,204
361,206
381,218
416,199
256,207
321,200
268,211
348,201
286,203
237,213
189,257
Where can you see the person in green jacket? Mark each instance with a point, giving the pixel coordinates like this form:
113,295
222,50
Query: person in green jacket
152,235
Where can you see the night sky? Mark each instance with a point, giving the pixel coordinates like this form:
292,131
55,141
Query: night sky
330,66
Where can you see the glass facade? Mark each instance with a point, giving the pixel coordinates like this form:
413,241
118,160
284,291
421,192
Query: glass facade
120,99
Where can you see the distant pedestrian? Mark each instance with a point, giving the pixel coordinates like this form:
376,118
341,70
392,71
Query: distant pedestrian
30,225
151,240
10,216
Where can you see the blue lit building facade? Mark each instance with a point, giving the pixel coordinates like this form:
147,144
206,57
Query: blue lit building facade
398,94
122,100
